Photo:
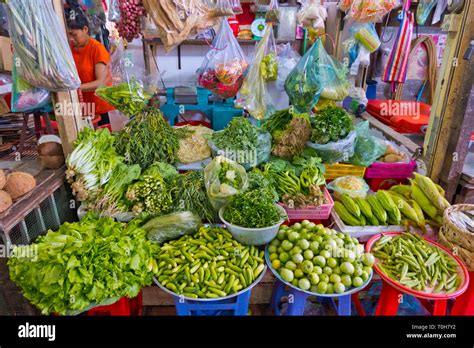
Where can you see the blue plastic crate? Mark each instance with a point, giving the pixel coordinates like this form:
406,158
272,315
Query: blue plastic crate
234,306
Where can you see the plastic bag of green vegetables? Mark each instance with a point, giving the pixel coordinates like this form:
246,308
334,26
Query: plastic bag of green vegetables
333,137
303,85
242,142
167,227
331,73
368,148
224,179
253,95
128,89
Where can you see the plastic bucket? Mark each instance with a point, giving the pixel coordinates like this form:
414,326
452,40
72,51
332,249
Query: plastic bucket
252,236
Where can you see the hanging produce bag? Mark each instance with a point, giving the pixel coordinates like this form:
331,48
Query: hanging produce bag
365,11
287,60
254,96
226,8
273,13
114,11
366,35
25,97
332,74
224,179
44,58
127,88
423,10
223,69
312,15
396,68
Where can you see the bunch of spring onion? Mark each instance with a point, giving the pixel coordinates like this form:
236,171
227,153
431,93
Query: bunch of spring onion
91,164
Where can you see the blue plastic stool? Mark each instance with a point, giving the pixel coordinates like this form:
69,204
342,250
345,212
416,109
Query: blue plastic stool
235,306
296,306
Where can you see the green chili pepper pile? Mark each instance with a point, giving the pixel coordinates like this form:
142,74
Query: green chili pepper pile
208,264
410,260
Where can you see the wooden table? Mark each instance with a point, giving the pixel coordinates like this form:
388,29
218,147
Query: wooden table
47,182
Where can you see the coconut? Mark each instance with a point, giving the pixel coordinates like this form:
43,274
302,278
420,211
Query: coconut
50,149
52,162
5,201
3,179
19,183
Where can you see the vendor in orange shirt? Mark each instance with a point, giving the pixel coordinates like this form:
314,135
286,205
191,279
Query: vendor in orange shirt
91,58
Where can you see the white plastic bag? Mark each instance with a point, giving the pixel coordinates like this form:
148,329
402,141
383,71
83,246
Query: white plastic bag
338,151
287,60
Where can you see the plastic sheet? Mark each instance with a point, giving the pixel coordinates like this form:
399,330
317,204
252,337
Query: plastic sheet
223,70
44,57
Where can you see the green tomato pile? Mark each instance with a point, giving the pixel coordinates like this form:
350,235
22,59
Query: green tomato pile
318,259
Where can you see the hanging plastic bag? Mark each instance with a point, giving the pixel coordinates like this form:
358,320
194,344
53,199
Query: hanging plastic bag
368,148
127,88
41,45
171,226
26,97
226,8
303,85
224,179
273,13
366,35
114,11
223,70
312,15
287,60
423,10
254,96
364,11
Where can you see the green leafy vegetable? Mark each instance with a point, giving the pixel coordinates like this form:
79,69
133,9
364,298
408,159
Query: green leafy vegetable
240,134
189,194
258,181
252,209
330,124
83,264
148,138
269,67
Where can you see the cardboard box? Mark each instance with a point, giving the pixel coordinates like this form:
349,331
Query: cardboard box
6,56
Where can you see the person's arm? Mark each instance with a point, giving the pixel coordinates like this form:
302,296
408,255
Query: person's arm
101,75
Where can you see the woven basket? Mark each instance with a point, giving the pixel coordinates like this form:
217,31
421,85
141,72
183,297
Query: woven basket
453,232
465,255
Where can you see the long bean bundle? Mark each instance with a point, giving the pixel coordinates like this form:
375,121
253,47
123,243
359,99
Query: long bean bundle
44,57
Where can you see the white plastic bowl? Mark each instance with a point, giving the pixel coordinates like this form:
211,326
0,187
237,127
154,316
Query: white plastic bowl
252,236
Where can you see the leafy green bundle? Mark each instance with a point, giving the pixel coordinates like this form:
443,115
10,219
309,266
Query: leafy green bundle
331,124
240,134
148,138
252,209
84,264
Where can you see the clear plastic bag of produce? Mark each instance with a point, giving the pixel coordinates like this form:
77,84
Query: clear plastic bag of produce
354,186
312,14
244,158
25,97
423,10
127,88
273,13
366,35
223,70
364,11
41,46
331,73
171,226
253,95
336,151
114,11
226,8
224,179
303,85
368,148
287,60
